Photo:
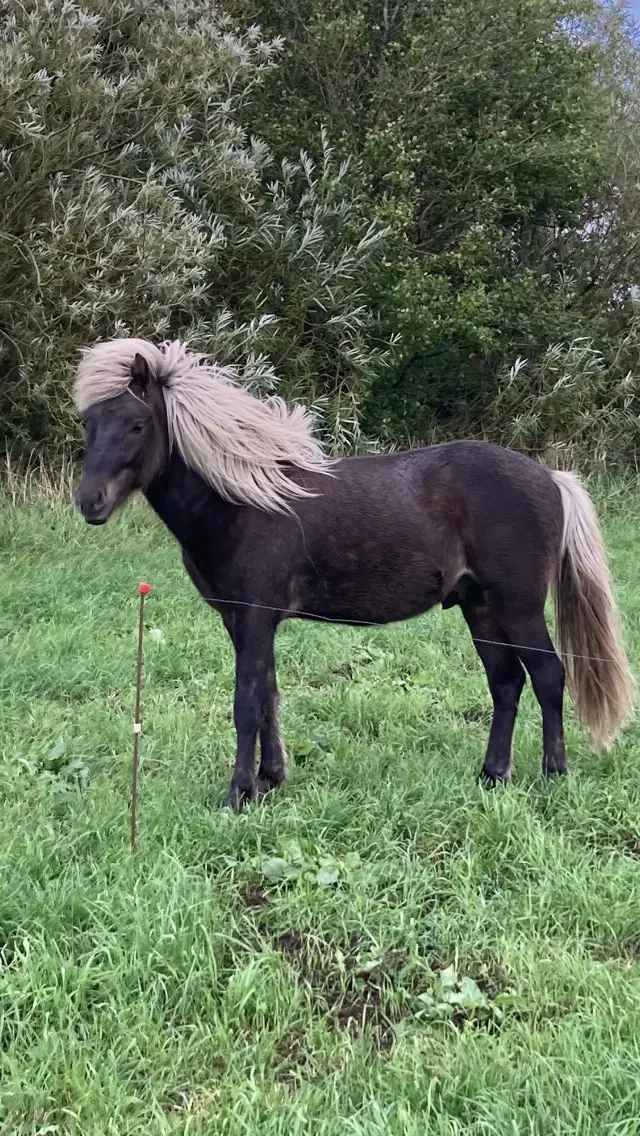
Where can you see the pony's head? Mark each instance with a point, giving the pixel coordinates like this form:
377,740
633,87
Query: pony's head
138,401
127,441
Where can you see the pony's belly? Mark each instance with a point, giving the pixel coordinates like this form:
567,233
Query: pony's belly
382,595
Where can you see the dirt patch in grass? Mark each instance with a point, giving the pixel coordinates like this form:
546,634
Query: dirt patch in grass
349,996
292,1053
352,991
624,951
291,944
630,844
255,897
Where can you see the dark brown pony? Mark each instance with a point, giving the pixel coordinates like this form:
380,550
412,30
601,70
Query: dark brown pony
270,529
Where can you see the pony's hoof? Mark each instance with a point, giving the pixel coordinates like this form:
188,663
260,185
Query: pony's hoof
270,781
550,772
489,779
237,798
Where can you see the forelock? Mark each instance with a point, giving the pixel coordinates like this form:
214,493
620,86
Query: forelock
104,370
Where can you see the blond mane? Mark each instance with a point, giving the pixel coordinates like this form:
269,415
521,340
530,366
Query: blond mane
236,442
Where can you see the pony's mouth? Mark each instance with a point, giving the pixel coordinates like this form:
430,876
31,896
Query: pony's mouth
95,507
99,499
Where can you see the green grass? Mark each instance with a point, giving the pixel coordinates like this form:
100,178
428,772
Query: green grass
280,972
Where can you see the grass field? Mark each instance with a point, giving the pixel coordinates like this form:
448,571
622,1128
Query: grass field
385,948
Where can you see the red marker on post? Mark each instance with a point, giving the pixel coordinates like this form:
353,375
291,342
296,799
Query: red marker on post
143,592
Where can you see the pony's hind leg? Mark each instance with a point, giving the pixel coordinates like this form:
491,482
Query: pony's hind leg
506,678
530,637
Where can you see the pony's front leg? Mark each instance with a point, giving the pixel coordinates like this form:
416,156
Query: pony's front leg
254,653
273,758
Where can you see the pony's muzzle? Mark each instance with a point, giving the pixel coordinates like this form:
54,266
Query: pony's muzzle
95,503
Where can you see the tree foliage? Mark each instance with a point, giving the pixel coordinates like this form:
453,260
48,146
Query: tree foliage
132,200
378,205
495,141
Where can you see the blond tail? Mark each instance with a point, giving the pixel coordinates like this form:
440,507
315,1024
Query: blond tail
587,624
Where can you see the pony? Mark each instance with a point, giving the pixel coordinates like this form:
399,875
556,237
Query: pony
271,528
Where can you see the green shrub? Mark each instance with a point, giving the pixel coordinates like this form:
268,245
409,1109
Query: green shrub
574,406
133,201
499,142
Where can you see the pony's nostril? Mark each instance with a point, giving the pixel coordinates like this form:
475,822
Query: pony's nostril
91,503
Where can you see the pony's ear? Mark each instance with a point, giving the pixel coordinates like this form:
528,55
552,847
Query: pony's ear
140,376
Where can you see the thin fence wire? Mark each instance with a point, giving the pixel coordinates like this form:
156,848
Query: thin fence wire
372,623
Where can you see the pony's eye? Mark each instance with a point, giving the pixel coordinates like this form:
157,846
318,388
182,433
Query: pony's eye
137,427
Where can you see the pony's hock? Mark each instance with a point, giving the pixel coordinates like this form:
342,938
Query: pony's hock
270,529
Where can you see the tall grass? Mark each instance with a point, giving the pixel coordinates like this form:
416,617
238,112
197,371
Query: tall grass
383,948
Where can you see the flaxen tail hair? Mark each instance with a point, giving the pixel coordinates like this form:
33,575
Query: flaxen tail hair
587,623
239,444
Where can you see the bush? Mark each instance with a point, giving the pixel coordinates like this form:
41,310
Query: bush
574,406
378,215
132,201
499,142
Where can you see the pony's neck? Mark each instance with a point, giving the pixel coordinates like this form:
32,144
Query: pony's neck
184,501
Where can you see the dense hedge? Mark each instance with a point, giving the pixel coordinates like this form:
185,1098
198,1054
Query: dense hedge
423,218
132,200
499,142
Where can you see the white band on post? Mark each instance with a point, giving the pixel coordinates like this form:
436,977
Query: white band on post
137,727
